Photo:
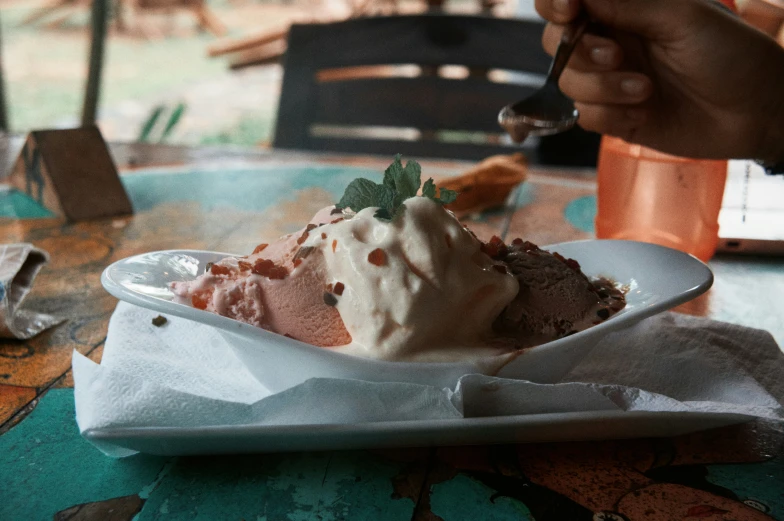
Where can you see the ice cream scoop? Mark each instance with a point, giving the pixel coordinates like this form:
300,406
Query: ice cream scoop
414,285
555,298
278,288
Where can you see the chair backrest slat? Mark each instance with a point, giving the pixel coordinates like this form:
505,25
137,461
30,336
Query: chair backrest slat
329,82
409,149
473,41
424,103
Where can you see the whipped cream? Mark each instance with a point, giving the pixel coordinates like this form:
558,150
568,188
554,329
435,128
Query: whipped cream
413,285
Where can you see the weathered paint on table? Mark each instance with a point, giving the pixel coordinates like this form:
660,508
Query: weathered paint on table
48,471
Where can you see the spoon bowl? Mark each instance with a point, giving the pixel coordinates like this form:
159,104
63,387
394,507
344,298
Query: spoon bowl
548,110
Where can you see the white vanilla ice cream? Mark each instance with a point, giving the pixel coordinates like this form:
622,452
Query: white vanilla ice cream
412,286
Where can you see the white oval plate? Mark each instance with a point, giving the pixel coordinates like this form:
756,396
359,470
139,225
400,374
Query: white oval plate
658,279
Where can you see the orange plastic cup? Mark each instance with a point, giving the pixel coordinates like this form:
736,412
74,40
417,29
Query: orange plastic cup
648,196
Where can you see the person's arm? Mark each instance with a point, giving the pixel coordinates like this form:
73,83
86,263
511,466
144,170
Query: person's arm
685,77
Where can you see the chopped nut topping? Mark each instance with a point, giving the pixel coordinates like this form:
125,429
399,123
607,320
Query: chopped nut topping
306,233
217,269
526,246
573,264
200,300
339,287
267,268
260,248
329,299
323,235
377,257
334,245
159,321
494,248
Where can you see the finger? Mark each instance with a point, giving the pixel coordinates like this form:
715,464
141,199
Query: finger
593,53
653,19
558,11
623,122
620,88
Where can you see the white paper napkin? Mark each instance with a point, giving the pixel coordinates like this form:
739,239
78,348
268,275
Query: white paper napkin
184,374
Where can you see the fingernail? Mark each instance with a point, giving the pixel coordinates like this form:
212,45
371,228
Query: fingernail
602,55
632,86
561,6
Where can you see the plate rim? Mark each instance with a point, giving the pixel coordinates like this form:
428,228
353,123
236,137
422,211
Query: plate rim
515,420
574,426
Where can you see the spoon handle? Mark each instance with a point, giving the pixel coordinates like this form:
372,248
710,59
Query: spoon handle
571,35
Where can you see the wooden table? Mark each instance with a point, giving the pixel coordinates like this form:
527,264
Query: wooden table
47,469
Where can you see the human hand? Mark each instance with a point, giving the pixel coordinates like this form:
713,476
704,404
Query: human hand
685,77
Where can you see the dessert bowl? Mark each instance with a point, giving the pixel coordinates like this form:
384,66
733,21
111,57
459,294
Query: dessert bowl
656,278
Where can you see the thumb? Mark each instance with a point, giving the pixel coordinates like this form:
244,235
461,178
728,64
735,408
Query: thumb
653,19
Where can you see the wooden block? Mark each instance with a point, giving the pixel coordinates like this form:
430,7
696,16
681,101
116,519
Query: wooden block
263,55
249,42
71,173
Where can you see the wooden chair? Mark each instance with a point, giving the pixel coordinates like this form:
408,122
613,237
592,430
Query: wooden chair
344,90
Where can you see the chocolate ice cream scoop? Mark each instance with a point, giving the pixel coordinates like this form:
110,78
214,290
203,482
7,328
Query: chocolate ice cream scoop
555,298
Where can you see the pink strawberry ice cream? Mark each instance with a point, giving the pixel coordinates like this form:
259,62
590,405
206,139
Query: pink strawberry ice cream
279,288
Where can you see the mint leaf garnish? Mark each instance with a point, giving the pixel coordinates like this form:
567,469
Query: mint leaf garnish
393,172
400,183
386,198
446,196
429,189
407,180
360,194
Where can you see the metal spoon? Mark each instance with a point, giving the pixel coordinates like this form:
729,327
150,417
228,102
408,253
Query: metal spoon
548,110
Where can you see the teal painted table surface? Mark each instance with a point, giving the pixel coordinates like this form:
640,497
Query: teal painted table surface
230,201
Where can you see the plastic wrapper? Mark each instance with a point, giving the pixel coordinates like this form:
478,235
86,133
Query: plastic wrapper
19,265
